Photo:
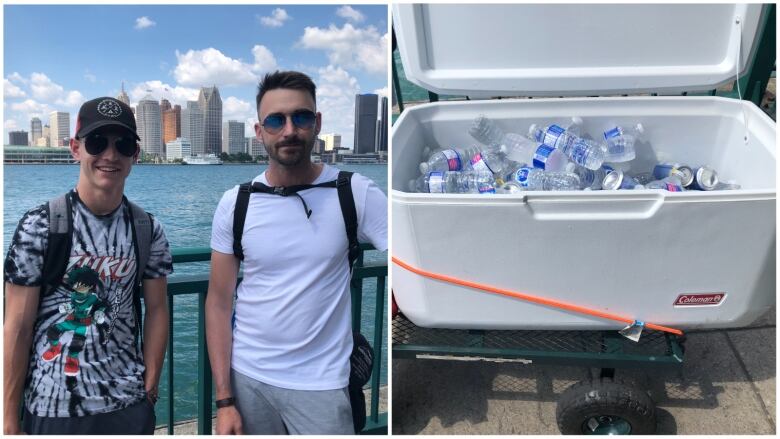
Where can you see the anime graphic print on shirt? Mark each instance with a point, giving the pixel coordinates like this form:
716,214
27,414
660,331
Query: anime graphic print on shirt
85,357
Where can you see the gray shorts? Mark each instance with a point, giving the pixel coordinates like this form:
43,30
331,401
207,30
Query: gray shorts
267,409
136,419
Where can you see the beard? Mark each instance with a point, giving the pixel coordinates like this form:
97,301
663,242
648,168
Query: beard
299,151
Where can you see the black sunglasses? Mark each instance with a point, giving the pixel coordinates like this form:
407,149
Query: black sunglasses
97,143
303,119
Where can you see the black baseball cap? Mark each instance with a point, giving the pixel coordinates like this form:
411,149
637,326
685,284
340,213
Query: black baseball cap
103,112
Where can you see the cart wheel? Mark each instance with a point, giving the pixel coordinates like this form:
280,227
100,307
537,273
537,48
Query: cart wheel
604,406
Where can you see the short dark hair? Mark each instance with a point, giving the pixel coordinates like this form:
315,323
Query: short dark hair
84,275
285,79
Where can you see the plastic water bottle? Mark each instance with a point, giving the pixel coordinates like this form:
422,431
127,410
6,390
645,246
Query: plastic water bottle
450,159
589,178
516,147
490,161
454,182
535,179
581,151
620,143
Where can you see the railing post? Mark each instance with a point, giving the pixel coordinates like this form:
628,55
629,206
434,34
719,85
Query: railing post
204,371
170,365
378,342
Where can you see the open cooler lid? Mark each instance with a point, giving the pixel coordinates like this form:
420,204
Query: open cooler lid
573,49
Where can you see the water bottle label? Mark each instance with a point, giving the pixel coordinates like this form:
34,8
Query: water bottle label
552,134
479,164
614,133
436,182
673,187
541,156
453,159
486,189
521,176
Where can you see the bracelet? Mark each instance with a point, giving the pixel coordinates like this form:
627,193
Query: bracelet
227,402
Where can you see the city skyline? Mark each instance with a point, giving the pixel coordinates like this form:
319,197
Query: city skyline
343,49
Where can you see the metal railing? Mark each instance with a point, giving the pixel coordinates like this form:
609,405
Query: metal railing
376,422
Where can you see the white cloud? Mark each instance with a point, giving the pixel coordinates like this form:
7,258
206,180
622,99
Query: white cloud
336,91
158,89
349,46
31,107
210,66
10,125
277,18
264,60
350,14
16,77
44,89
384,91
236,109
12,91
143,22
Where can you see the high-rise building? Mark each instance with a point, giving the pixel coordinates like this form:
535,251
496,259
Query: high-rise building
211,104
381,144
36,130
17,138
178,149
319,146
149,126
47,135
192,127
255,147
123,96
365,123
233,137
332,141
59,131
171,123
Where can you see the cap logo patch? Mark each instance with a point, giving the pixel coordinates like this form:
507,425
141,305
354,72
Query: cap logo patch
109,108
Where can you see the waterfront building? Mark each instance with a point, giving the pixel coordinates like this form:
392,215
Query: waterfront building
233,137
36,130
319,146
192,127
365,123
211,104
171,123
255,147
42,141
123,96
381,144
149,126
32,154
18,138
178,149
332,141
59,128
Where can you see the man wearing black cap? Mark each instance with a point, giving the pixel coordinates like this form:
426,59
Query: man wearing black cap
72,326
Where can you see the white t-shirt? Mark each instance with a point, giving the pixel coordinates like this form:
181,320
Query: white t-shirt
293,307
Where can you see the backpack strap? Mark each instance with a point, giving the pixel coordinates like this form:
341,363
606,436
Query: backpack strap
343,185
60,240
141,225
239,218
348,211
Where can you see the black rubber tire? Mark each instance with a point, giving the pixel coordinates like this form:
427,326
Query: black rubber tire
605,397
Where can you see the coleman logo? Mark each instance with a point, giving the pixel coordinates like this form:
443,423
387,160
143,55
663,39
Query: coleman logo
699,299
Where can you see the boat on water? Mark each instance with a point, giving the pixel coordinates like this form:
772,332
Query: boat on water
202,159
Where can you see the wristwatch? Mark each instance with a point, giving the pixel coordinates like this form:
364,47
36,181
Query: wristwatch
226,402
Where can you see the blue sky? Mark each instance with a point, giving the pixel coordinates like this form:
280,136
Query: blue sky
58,56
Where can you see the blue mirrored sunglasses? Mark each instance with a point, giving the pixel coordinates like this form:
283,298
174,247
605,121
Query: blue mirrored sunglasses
303,119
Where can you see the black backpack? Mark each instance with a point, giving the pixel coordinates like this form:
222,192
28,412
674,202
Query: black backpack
361,359
55,259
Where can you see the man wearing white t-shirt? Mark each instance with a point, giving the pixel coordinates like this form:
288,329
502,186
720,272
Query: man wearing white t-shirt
283,367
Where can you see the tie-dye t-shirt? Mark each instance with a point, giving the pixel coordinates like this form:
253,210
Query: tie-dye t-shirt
85,358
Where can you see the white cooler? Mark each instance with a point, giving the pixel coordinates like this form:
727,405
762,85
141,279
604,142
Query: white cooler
685,260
